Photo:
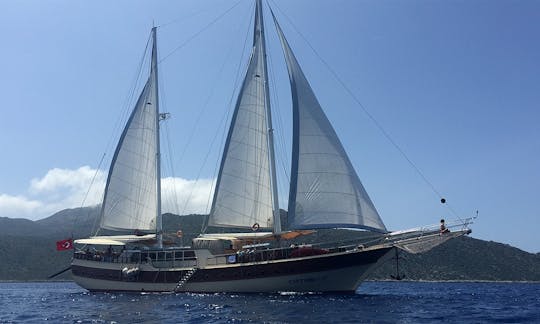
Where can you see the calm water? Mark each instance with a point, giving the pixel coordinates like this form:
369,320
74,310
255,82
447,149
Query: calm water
380,302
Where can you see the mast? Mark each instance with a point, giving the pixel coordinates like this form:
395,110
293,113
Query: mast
259,28
154,74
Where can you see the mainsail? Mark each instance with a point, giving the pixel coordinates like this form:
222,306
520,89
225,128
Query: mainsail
243,194
131,200
325,190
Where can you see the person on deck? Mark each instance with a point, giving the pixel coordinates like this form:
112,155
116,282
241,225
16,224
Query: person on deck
443,227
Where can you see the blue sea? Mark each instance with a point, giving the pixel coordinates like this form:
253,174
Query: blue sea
374,302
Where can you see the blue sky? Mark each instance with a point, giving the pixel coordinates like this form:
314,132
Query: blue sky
456,84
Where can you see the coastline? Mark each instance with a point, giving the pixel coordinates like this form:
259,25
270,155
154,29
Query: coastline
377,280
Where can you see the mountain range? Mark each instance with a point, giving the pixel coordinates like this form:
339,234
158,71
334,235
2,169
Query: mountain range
28,250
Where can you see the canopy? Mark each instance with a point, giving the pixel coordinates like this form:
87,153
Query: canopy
115,240
288,235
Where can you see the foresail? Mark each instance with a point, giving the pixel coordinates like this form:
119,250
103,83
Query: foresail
243,196
131,193
325,191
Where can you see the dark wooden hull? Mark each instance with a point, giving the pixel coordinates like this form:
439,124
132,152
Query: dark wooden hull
321,273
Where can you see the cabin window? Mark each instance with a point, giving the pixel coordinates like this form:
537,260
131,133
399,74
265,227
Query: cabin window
161,256
189,255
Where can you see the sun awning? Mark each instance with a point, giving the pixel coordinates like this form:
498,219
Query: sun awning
288,235
115,240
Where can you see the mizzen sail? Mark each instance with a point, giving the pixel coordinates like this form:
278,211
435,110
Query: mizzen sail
325,190
131,198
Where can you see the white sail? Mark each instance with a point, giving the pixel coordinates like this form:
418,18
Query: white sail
132,192
325,190
243,194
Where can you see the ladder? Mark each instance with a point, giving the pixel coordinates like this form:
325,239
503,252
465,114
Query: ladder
184,279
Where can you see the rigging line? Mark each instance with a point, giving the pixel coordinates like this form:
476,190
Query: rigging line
370,116
223,123
171,165
283,145
174,21
199,32
87,193
117,125
128,102
225,117
197,179
205,105
284,184
163,106
195,127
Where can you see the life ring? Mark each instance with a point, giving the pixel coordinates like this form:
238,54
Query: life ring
255,227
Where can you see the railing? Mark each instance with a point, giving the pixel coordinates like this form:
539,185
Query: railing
158,259
187,258
460,225
388,240
262,255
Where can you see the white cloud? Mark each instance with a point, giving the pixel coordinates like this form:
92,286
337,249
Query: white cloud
66,188
18,206
58,189
71,188
59,179
192,196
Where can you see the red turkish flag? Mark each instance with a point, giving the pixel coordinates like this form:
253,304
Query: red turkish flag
64,245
